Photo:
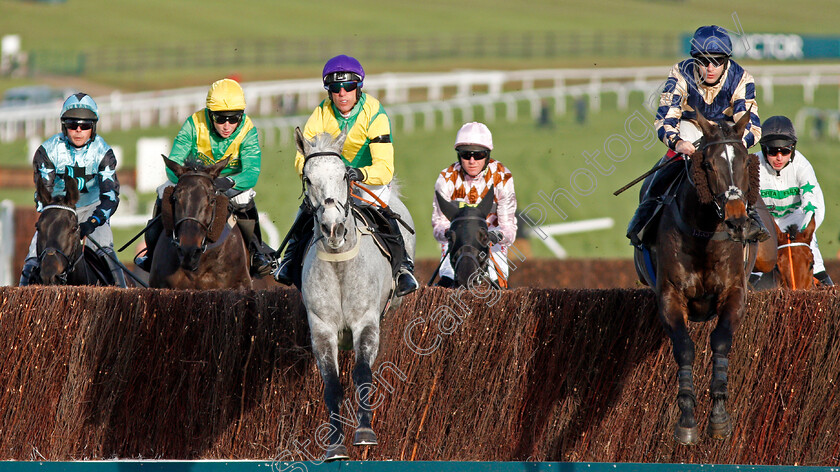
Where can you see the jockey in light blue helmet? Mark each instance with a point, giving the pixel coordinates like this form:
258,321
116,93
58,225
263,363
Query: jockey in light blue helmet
80,107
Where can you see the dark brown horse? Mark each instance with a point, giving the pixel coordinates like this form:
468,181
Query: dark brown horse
201,246
701,264
795,263
469,242
62,258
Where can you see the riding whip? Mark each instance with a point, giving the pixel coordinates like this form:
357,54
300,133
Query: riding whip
643,176
120,264
142,231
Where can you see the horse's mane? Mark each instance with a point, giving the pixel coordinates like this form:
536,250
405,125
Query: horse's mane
195,165
701,183
792,231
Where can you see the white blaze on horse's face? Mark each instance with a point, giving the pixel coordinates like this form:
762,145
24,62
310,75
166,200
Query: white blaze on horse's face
733,193
328,195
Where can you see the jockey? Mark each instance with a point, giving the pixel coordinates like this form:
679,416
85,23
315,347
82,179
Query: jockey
467,181
368,154
234,135
77,151
789,185
721,90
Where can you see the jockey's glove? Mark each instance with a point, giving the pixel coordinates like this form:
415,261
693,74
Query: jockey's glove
223,183
355,175
496,236
88,227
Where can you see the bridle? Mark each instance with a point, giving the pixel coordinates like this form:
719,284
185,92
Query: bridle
70,263
467,251
731,193
314,210
790,256
205,227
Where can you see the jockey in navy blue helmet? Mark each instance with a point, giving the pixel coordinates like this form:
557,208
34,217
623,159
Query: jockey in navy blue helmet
721,90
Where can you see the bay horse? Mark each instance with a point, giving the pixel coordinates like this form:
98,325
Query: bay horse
701,264
201,246
62,258
346,284
469,243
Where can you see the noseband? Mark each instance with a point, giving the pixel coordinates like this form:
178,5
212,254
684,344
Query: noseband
733,192
69,263
345,207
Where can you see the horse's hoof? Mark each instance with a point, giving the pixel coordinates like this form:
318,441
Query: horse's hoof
336,452
686,436
365,437
719,431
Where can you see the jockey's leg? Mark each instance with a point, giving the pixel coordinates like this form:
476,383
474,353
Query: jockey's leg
757,231
659,183
29,268
248,221
151,236
819,266
296,241
31,264
105,238
406,283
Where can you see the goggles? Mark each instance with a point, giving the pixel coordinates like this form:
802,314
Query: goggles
779,150
706,61
336,87
232,118
474,155
73,124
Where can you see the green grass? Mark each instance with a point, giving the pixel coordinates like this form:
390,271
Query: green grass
542,161
86,25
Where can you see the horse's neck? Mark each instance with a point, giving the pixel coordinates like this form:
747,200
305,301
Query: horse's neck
699,215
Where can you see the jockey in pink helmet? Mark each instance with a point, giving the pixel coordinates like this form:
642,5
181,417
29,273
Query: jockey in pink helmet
468,180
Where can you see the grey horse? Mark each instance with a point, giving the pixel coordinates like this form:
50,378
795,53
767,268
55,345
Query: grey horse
346,284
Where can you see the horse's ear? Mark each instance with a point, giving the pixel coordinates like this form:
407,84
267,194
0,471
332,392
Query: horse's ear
741,125
779,232
41,191
809,230
216,168
448,208
486,203
176,168
301,144
71,191
705,125
339,141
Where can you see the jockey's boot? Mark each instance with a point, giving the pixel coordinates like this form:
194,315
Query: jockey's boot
116,270
823,278
643,214
296,240
406,282
249,223
757,231
151,236
29,268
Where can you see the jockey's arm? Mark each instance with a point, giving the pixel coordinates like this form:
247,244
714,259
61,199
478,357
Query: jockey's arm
440,224
250,157
506,211
671,102
381,169
109,188
182,147
743,101
812,194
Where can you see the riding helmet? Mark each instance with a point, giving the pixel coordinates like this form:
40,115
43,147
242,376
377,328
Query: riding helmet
711,41
343,68
225,95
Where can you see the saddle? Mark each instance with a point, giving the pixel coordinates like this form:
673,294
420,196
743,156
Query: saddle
388,242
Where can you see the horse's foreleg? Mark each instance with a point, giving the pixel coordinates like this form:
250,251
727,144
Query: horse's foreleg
720,425
674,319
325,347
366,347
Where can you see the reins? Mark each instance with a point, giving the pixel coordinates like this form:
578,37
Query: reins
69,263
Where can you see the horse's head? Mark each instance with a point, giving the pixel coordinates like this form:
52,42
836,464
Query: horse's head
194,208
795,259
469,243
326,186
725,175
58,245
